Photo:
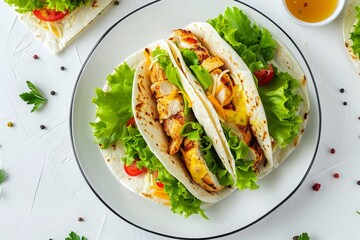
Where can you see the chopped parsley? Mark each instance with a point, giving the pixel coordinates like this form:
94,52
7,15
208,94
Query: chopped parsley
33,97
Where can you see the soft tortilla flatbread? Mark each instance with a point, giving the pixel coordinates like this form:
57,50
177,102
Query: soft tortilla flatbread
142,184
57,35
285,62
241,74
145,113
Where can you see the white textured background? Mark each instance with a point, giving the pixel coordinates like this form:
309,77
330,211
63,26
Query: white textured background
45,193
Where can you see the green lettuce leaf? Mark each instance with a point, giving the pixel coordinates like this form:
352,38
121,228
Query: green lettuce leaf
114,106
355,35
253,44
245,174
281,101
202,76
182,201
190,57
23,6
195,132
113,111
192,62
256,47
171,73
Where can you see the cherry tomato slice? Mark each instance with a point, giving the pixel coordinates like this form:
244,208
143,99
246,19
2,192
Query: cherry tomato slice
158,183
131,122
264,76
49,15
133,170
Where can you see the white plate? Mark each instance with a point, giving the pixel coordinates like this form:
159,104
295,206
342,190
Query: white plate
240,210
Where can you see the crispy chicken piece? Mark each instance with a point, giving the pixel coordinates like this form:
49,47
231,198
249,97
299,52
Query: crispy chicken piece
185,39
172,128
163,88
212,63
224,85
170,106
197,167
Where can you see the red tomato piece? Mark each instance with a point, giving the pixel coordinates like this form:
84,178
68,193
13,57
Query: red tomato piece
131,122
264,76
49,15
159,184
133,170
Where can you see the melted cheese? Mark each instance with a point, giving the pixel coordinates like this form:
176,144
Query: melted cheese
195,165
240,116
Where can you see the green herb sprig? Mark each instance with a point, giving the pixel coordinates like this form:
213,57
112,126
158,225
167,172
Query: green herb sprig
33,97
303,236
74,236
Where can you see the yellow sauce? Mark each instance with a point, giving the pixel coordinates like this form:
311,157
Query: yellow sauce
311,10
240,116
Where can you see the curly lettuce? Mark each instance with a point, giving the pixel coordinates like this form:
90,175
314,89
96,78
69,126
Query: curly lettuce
113,111
23,6
281,101
355,34
256,47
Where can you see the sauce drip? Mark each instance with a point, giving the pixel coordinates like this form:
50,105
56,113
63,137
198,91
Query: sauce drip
311,10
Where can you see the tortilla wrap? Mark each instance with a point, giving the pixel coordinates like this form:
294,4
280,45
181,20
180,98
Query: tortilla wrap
241,74
57,35
147,120
350,20
148,124
211,40
143,183
285,62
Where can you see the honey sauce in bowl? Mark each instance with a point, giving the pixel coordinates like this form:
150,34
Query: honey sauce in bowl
313,12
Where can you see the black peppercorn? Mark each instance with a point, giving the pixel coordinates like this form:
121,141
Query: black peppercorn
42,126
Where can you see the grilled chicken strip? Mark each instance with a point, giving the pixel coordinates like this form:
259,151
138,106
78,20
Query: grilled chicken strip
197,167
170,106
222,88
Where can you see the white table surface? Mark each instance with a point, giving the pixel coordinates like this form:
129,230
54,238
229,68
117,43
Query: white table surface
45,192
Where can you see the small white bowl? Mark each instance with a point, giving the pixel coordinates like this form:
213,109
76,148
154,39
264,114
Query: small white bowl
331,18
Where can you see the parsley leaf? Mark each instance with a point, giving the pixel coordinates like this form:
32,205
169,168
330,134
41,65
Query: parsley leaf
33,97
2,176
74,236
304,236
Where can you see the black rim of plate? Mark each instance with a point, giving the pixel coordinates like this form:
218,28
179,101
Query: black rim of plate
162,234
